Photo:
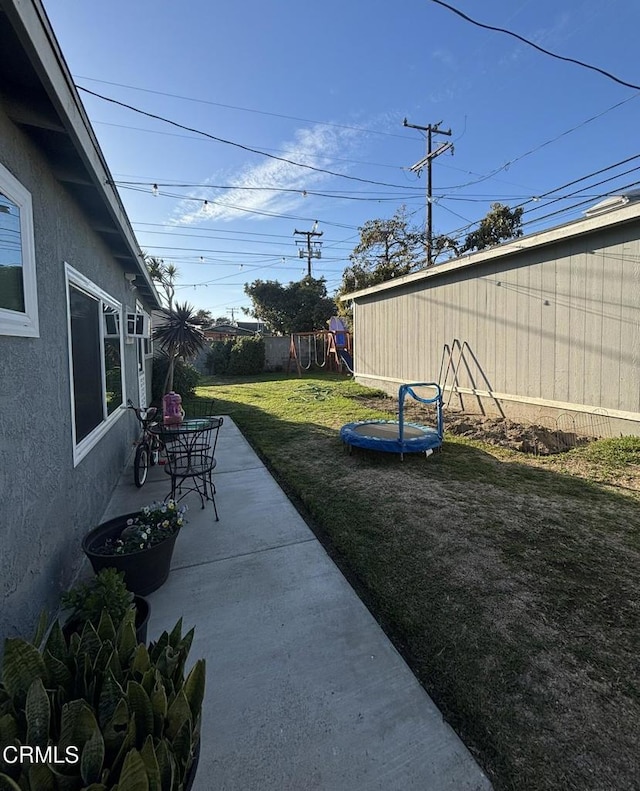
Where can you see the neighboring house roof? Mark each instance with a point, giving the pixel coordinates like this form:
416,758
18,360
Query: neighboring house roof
254,326
38,94
623,211
227,329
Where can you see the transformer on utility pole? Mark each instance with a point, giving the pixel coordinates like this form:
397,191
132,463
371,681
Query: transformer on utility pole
312,249
431,129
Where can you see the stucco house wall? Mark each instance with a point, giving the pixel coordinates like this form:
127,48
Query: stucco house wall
50,497
548,327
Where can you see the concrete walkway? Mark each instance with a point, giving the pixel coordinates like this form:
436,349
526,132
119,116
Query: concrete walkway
304,690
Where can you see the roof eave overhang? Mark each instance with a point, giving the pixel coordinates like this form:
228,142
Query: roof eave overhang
32,27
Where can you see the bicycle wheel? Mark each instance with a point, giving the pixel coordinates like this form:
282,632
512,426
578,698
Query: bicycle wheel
141,464
156,447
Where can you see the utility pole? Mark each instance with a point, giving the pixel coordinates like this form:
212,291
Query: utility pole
431,129
312,249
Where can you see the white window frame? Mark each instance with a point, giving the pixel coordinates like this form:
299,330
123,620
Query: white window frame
80,281
13,322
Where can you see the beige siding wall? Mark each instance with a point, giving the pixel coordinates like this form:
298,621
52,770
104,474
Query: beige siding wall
557,325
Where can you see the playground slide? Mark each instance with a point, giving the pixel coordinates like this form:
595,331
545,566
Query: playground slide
347,359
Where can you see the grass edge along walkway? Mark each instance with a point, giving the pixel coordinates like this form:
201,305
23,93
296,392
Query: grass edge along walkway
509,583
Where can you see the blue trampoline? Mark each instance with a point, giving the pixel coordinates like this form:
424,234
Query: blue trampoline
393,436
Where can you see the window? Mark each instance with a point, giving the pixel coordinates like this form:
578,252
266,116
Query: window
18,291
96,357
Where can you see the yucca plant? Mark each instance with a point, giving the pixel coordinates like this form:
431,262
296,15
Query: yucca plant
179,337
101,712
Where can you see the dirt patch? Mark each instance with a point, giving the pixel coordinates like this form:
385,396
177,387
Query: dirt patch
524,438
531,438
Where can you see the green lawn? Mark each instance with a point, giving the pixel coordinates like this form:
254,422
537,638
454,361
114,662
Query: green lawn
510,583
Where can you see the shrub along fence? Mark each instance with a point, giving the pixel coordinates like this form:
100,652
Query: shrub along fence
236,356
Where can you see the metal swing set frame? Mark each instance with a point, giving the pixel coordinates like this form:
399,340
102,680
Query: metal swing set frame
313,343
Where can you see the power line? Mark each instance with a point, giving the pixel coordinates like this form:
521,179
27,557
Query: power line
199,139
575,206
303,193
585,178
235,207
539,48
457,233
242,109
236,145
267,188
544,144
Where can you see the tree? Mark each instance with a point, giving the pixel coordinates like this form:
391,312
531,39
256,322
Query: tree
203,317
387,248
178,337
499,224
299,307
164,275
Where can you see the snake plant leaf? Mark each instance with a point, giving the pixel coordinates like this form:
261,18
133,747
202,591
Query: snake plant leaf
11,770
106,629
41,629
103,658
90,643
140,707
110,694
115,730
149,681
167,662
185,644
22,664
194,687
56,644
166,764
126,639
134,775
84,677
41,778
128,744
159,706
74,643
7,784
8,728
182,746
148,755
115,667
77,725
38,714
141,661
176,634
92,758
178,713
58,674
155,649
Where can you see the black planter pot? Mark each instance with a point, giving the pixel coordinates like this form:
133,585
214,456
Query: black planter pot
144,571
191,774
143,611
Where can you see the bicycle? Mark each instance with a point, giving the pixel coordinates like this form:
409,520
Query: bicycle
149,445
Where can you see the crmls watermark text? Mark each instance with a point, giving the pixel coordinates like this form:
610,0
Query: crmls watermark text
23,753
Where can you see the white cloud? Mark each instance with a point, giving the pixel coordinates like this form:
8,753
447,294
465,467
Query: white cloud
311,146
445,57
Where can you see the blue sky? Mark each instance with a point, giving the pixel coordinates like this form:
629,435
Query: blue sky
328,85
